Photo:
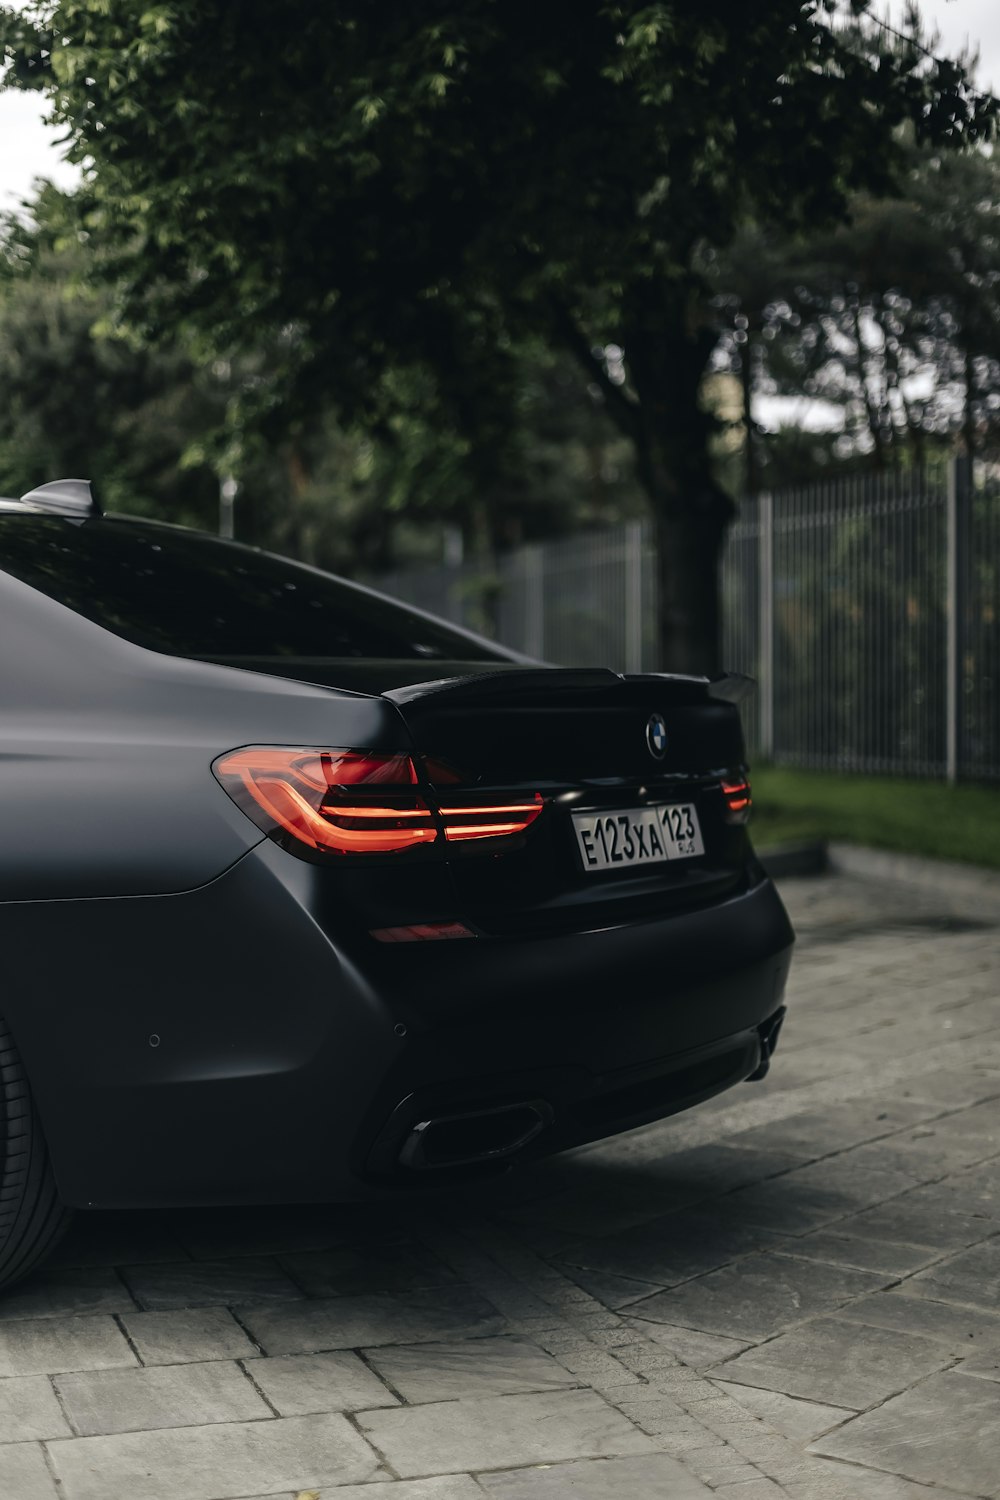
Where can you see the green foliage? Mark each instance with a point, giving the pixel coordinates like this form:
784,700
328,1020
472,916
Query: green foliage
367,188
913,817
80,403
893,317
393,201
156,430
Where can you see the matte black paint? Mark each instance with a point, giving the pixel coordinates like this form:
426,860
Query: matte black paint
136,900
104,748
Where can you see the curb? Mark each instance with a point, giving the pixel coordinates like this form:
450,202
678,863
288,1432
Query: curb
972,883
980,887
795,859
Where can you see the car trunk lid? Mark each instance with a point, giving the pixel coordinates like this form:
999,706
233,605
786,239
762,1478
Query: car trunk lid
607,753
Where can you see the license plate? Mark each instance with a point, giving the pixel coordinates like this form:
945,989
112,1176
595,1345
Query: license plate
632,836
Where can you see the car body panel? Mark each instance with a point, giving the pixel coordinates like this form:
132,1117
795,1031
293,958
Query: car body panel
239,1042
105,749
207,1018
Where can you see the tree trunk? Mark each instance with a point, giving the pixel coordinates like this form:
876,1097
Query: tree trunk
691,514
668,354
668,341
689,543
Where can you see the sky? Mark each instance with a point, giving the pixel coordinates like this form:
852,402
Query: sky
28,148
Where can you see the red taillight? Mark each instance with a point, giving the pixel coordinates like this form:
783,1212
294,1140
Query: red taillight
331,801
490,820
738,800
359,801
468,815
422,932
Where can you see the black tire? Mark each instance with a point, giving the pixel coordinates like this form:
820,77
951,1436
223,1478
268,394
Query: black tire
32,1219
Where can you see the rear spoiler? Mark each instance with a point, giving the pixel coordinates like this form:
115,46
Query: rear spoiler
491,684
732,687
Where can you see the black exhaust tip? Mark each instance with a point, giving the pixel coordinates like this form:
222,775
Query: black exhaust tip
480,1135
768,1031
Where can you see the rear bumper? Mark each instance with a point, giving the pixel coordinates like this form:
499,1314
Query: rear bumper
232,1045
608,1029
455,1131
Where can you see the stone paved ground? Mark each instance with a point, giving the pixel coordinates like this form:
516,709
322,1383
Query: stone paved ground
792,1291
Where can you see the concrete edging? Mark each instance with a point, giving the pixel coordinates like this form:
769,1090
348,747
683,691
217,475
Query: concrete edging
979,886
795,859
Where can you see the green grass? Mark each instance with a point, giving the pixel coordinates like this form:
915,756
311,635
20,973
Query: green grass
912,817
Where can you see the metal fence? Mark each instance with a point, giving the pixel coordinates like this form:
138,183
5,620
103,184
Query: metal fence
867,608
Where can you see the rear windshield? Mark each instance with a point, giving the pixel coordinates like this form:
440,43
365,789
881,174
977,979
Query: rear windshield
188,594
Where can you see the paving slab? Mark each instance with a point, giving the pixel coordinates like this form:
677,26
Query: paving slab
446,1487
759,1297
754,1489
843,1249
297,1384
67,1291
829,1479
945,1431
955,1141
961,1330
819,1193
632,1179
24,1474
811,1260
210,1283
610,1289
497,1431
671,1249
974,1191
360,1322
928,1218
29,1409
214,1463
104,1401
678,1179
402,1267
689,1345
798,1419
986,1366
818,1132
972,1278
477,1367
187,1335
48,1346
651,1477
840,1363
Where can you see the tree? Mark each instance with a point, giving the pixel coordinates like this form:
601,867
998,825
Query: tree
375,191
79,402
893,317
155,430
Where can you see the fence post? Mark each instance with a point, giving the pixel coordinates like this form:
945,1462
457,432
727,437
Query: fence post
958,494
634,602
765,669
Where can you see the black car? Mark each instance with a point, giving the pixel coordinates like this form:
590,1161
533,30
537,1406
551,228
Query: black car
308,895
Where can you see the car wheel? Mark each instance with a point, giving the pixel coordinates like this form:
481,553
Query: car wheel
31,1217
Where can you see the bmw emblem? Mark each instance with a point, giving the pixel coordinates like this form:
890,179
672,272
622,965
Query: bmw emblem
656,736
